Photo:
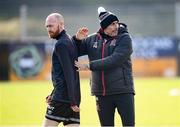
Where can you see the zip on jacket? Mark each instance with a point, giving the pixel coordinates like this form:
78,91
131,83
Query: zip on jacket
103,81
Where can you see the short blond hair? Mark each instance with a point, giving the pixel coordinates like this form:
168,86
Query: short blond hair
57,16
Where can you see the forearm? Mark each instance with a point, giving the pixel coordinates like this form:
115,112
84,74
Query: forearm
81,46
121,53
107,63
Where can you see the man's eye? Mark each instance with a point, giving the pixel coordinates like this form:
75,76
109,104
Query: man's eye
49,26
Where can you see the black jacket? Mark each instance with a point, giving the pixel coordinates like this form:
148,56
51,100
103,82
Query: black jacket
110,62
65,78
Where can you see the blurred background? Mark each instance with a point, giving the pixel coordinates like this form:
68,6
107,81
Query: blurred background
25,57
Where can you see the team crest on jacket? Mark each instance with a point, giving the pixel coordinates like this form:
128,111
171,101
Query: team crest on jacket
113,42
95,44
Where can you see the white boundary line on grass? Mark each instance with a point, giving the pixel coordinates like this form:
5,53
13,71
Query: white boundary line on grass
83,126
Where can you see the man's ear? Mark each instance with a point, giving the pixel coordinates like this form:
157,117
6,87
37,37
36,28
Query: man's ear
61,25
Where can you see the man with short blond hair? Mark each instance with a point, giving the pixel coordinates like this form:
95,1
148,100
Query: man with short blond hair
64,101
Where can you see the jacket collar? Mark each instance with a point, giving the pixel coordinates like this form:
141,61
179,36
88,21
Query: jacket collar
60,34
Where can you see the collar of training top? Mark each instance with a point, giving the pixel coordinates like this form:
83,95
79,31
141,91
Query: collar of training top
60,34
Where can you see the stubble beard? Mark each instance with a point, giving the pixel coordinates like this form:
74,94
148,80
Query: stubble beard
114,33
54,34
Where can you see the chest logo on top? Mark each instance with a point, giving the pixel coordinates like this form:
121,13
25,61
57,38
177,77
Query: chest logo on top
113,43
95,44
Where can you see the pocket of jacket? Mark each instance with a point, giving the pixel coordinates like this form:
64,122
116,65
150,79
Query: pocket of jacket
127,77
114,75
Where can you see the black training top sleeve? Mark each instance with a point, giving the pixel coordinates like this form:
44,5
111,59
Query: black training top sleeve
68,70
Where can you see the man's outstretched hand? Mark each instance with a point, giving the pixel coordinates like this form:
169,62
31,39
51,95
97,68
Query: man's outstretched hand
82,33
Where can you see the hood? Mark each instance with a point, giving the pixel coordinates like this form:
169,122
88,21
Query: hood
122,28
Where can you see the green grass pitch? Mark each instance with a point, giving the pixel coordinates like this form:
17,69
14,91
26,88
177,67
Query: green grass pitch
157,103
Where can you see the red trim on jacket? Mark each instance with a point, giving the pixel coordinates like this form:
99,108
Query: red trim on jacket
103,82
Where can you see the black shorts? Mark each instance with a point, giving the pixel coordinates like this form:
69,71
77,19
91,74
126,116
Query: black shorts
62,112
